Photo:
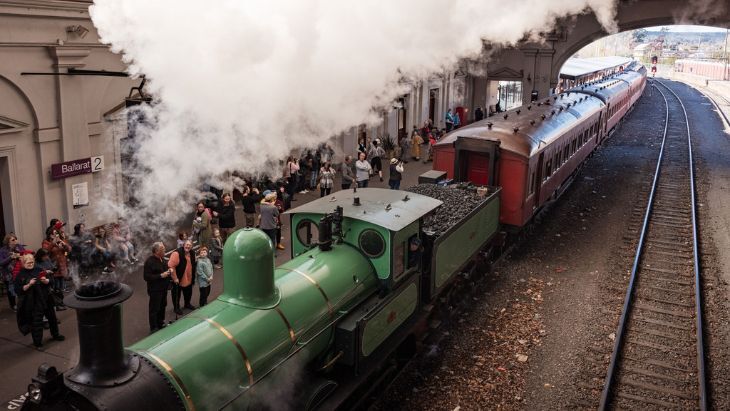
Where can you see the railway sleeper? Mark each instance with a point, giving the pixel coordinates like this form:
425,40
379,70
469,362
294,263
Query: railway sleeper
682,378
657,363
675,334
633,401
679,347
656,391
645,349
674,272
682,290
664,324
652,379
674,254
644,296
671,313
668,381
676,247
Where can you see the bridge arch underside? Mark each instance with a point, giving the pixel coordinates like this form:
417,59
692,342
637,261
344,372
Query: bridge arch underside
585,29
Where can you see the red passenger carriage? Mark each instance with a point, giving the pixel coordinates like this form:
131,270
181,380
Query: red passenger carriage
532,152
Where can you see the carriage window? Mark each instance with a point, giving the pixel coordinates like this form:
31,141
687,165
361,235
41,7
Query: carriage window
307,232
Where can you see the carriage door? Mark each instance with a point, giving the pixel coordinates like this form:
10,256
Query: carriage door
538,179
598,125
478,168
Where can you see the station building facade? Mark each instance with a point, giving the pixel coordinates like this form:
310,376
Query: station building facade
56,122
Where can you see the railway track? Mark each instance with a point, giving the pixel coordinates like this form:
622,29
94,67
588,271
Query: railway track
658,357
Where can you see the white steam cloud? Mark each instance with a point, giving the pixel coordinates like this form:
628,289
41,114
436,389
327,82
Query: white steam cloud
240,84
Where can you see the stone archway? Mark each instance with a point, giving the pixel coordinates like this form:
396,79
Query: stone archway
540,63
636,15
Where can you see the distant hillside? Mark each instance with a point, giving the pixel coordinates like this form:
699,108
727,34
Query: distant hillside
688,37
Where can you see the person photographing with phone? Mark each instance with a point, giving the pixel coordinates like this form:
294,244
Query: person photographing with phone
35,301
157,275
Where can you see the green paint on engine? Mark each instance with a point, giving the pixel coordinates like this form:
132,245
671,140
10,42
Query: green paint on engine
211,350
389,318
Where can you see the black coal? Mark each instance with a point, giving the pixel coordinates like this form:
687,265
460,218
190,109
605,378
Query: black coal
458,202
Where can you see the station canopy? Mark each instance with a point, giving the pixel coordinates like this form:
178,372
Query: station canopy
576,68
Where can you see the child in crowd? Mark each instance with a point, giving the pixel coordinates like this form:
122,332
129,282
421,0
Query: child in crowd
216,245
205,274
182,236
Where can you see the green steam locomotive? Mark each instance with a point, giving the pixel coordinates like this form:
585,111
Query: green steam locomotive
309,334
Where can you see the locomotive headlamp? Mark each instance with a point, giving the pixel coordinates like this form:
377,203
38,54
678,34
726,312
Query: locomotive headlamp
34,393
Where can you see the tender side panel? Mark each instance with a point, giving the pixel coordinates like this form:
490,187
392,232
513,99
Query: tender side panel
456,247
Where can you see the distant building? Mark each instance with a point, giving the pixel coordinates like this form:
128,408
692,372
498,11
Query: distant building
643,51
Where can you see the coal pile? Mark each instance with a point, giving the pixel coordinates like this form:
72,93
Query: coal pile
458,202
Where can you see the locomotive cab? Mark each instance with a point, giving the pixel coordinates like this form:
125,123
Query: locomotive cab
377,222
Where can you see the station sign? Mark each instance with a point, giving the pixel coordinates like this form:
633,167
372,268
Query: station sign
77,167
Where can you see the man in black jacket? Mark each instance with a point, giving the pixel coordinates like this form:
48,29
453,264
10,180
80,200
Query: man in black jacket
157,275
226,214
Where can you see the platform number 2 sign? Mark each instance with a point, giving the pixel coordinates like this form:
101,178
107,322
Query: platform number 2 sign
97,164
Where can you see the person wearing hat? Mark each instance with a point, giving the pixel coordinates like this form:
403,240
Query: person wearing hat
269,217
396,173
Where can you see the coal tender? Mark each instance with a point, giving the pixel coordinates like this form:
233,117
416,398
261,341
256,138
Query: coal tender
313,333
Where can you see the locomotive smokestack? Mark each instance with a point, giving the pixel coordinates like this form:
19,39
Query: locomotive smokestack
102,359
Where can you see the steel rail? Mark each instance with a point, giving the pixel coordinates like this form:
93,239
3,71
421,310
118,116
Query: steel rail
608,385
698,294
613,366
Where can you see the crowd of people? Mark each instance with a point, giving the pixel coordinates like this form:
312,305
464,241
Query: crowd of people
35,280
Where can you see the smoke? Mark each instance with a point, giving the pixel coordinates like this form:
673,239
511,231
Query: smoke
241,84
701,12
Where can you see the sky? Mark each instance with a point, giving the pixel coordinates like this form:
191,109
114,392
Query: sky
688,29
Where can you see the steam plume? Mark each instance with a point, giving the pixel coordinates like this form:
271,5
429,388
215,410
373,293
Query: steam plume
241,83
